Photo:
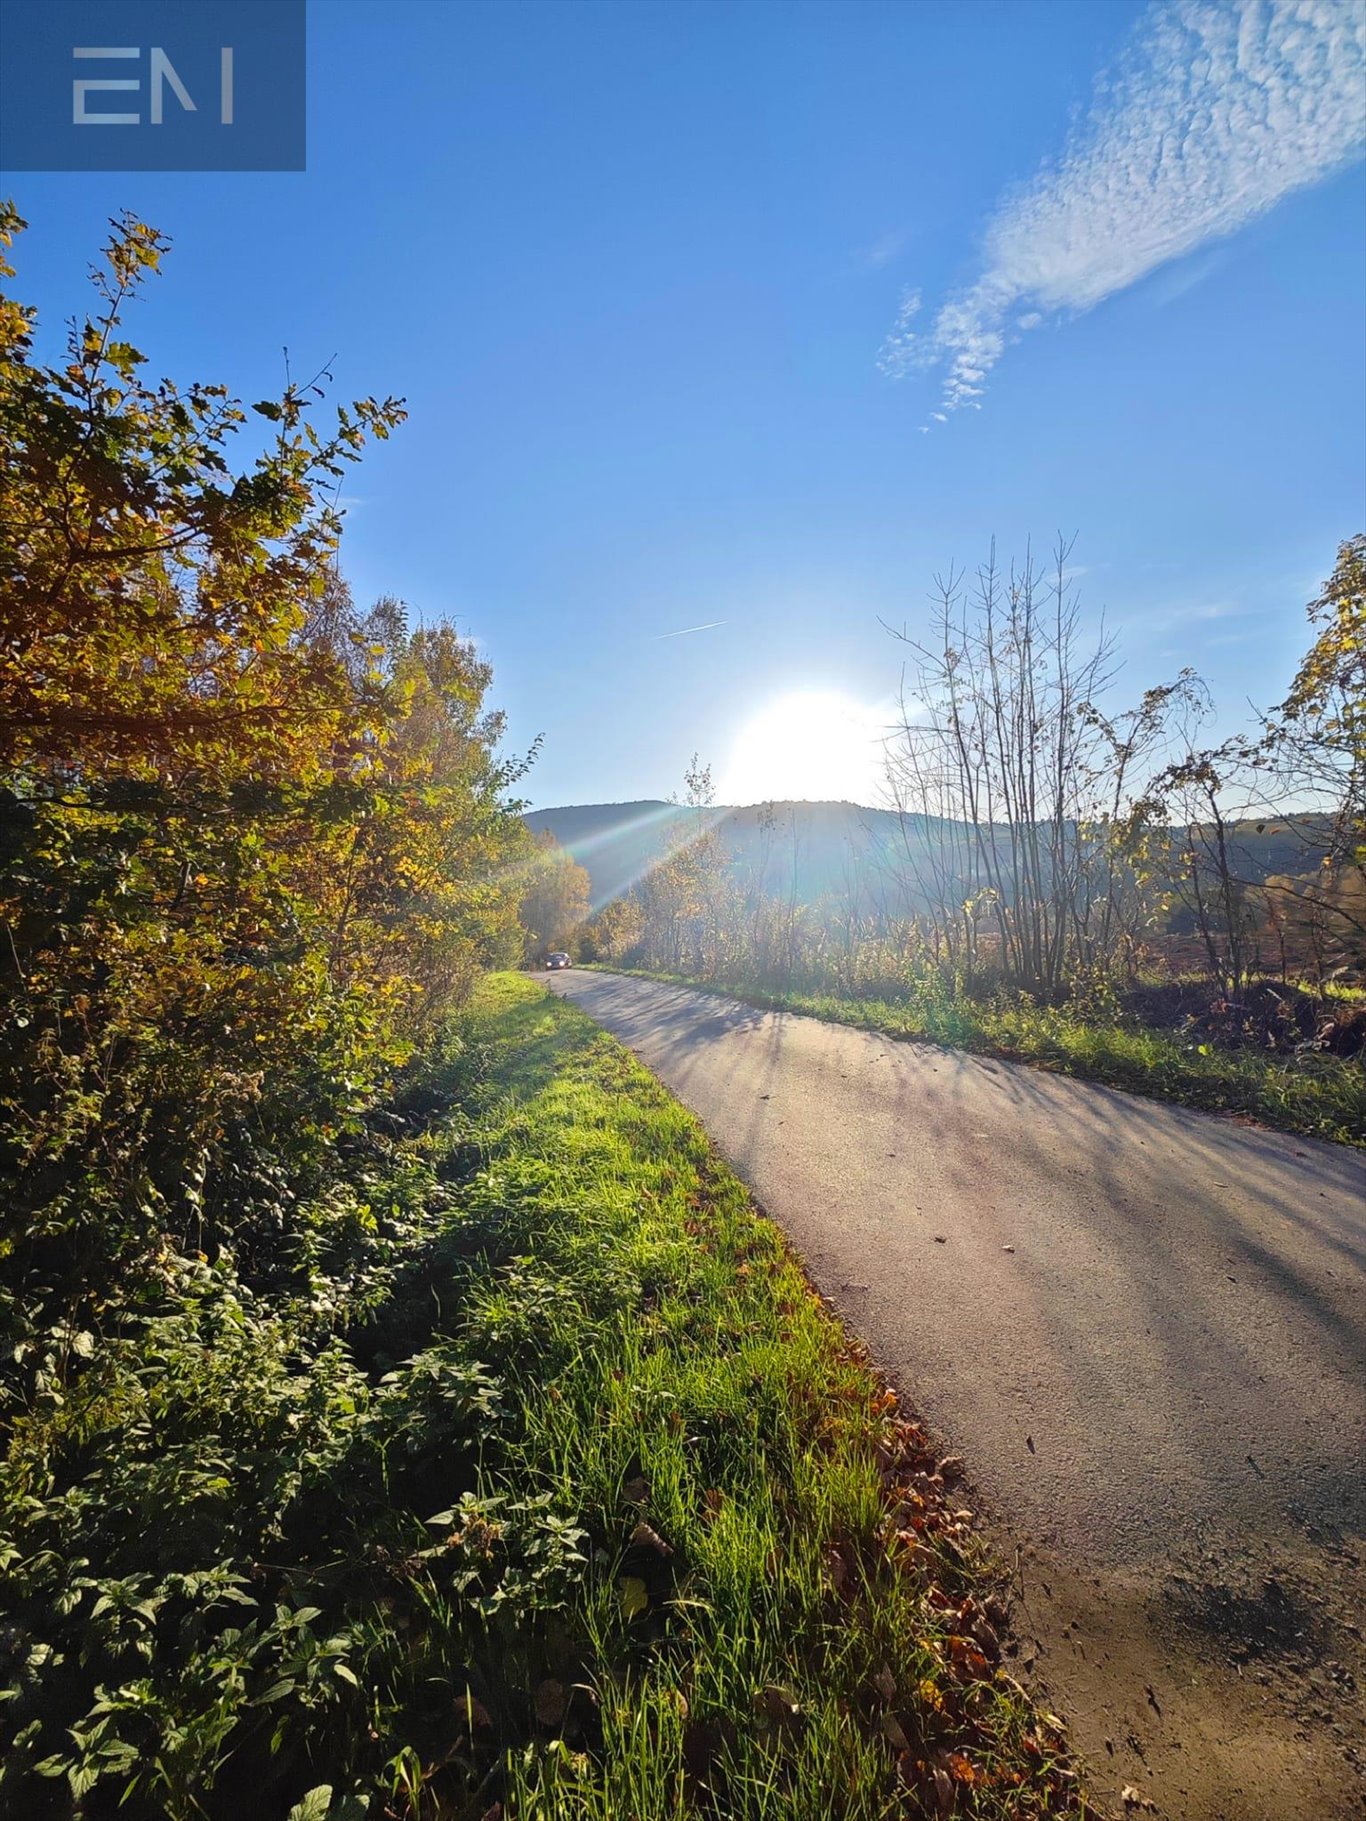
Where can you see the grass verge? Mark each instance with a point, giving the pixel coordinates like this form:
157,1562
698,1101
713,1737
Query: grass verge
1316,1096
546,1487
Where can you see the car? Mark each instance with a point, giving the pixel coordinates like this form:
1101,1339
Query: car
558,959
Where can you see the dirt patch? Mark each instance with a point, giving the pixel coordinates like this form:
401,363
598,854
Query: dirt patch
1206,1697
1273,1621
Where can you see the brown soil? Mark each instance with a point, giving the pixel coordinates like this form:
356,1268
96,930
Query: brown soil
1207,1693
1267,1014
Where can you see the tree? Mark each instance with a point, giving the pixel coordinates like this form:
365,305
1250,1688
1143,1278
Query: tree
1327,700
252,843
1314,745
555,897
1019,791
1304,774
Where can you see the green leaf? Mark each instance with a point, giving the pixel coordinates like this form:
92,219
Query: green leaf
634,1596
313,1806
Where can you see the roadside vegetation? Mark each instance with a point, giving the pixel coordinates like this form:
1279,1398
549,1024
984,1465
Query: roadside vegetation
536,1476
1071,882
404,1414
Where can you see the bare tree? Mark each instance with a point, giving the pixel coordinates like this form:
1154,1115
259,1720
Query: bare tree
1016,788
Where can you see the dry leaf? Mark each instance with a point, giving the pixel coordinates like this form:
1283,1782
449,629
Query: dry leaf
943,1790
987,1638
645,1537
893,1734
550,1702
472,1711
841,1579
779,1706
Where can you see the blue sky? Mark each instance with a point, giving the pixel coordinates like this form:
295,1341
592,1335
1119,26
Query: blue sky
646,275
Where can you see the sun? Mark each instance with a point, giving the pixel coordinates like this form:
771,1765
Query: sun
814,745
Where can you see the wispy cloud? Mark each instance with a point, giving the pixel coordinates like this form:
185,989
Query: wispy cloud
880,251
1215,112
1186,614
683,631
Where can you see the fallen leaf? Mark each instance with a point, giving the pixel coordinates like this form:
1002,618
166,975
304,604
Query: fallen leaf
634,1596
779,1706
965,1655
961,1769
550,1702
893,1734
645,1537
987,1638
473,1712
841,1576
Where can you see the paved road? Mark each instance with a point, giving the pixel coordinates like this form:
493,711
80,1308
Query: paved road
1146,1330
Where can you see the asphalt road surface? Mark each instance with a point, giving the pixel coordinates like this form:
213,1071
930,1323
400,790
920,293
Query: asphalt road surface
1143,1327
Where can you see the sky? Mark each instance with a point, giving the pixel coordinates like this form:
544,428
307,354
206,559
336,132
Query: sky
724,328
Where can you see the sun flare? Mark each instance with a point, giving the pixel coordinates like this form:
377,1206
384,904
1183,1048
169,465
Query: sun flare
814,745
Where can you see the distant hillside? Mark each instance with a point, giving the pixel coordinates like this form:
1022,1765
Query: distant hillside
809,850
616,842
812,851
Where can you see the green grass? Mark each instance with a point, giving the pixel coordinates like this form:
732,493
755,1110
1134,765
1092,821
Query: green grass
546,1480
1317,1096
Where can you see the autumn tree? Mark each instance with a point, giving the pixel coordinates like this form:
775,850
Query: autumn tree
1314,746
1302,774
555,897
251,840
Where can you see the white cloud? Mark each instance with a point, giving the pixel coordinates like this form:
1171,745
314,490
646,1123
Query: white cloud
898,351
1215,113
880,251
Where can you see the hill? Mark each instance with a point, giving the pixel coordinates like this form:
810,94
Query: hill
815,851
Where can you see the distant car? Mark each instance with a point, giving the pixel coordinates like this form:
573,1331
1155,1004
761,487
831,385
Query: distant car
558,959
